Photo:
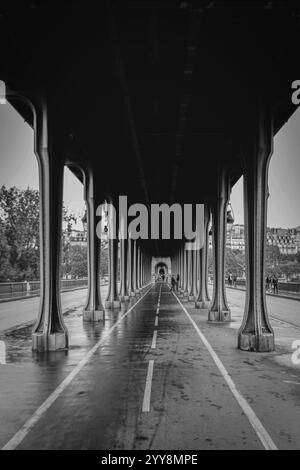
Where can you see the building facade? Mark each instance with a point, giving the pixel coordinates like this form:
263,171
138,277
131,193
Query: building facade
286,239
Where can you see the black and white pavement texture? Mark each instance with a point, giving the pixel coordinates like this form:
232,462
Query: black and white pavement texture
153,375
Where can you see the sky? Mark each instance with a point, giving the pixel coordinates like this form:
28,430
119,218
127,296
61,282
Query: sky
284,179
18,167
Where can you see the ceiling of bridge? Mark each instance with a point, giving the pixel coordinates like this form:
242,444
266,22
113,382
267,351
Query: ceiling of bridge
155,93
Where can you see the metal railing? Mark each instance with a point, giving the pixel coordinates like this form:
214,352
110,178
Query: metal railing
289,288
10,290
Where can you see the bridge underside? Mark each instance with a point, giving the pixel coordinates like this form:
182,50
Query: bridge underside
163,102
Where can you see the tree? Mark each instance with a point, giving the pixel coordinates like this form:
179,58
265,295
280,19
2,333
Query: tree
289,269
19,233
68,219
104,258
4,254
234,262
273,257
20,218
78,261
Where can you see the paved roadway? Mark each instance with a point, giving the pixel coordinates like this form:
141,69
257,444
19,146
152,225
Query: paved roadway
280,308
14,313
23,311
155,375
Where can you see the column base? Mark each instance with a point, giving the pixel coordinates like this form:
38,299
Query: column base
124,298
93,315
202,304
42,342
219,316
191,298
112,304
264,342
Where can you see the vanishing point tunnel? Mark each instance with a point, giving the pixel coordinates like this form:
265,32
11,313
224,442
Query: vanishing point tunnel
163,102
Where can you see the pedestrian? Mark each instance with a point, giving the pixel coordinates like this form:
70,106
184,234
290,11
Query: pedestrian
275,284
177,281
268,283
28,287
173,283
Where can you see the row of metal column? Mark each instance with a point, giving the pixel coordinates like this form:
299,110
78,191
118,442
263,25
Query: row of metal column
255,333
50,332
135,271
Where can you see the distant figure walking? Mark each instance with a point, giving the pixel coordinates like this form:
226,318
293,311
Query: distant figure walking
173,283
268,283
275,284
28,288
177,281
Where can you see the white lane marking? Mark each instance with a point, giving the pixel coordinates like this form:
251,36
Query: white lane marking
291,382
2,353
157,311
148,386
20,435
156,321
153,345
258,427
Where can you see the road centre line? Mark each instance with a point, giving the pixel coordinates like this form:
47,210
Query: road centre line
153,344
148,386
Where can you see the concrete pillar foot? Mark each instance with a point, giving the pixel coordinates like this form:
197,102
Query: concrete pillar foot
202,304
93,315
219,316
42,342
258,343
124,298
112,304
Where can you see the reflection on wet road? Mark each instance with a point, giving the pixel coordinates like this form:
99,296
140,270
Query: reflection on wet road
143,379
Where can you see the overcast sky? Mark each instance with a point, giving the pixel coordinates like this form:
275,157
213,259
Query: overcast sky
18,167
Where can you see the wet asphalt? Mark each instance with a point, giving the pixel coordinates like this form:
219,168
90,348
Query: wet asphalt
190,407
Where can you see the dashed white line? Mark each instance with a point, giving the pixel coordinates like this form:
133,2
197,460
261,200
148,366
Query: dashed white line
258,427
20,435
291,382
156,321
153,344
157,311
148,386
2,353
